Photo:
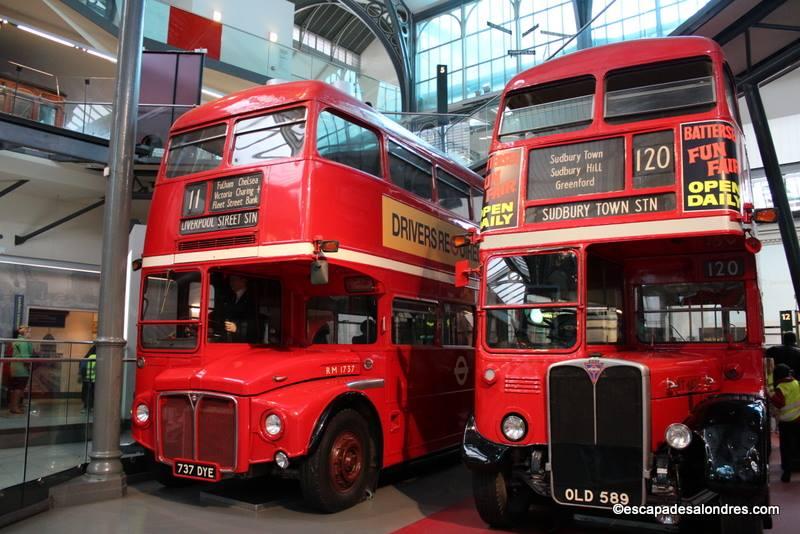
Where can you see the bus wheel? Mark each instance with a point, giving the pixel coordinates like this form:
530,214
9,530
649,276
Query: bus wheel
342,469
499,504
739,524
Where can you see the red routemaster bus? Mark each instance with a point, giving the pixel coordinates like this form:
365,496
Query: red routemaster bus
619,331
298,312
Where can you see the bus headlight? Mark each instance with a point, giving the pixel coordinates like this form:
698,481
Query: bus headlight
142,414
678,436
514,427
273,425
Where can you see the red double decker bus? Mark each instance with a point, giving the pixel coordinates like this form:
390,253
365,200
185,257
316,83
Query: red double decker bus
619,345
298,312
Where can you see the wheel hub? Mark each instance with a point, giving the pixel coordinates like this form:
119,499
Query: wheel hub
346,461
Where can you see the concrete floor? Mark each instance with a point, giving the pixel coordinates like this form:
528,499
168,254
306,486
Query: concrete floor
424,499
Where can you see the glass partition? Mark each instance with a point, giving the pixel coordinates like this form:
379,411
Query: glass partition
46,414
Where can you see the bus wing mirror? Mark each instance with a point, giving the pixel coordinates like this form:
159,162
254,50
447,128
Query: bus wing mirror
319,272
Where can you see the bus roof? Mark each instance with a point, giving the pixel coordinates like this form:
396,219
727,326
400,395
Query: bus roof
614,56
266,96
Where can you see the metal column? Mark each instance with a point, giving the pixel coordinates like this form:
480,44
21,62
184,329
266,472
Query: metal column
776,185
105,456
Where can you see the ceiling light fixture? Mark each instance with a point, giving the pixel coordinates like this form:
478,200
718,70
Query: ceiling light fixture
101,55
48,36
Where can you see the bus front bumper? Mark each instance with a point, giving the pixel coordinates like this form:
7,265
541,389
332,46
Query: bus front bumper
480,453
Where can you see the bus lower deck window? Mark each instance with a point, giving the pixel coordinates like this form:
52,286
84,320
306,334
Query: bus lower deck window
458,325
413,322
342,320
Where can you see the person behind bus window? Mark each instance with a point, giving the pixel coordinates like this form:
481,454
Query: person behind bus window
323,335
564,330
238,314
368,332
20,371
786,398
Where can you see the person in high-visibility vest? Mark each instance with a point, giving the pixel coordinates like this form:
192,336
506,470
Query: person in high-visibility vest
88,374
787,399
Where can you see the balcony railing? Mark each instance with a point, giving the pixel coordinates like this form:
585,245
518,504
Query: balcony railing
89,113
259,55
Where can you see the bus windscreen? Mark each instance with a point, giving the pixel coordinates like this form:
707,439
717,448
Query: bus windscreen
196,151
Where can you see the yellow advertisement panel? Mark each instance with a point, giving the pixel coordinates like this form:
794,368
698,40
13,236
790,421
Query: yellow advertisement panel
415,232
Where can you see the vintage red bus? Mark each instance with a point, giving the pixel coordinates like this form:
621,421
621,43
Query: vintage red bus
31,102
619,332
298,309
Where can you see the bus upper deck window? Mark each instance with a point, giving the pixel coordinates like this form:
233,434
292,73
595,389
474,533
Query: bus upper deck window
276,135
477,204
453,193
659,90
196,151
730,96
551,108
410,171
342,141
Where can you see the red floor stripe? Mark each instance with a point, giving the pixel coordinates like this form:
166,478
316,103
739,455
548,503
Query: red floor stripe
463,517
457,519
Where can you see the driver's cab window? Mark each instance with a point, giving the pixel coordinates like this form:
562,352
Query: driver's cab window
342,320
243,309
532,301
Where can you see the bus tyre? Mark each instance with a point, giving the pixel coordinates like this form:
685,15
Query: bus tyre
499,504
739,524
342,470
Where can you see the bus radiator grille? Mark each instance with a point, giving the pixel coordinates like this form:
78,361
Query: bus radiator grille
198,426
216,431
597,431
